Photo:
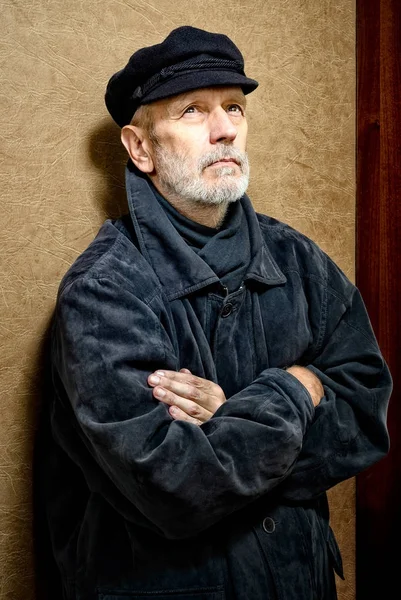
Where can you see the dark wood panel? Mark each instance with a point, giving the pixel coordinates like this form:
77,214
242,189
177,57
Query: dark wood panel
378,275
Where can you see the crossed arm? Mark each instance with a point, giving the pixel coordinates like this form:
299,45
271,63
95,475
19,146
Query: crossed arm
195,399
280,431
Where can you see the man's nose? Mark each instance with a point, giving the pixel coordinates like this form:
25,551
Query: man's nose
222,129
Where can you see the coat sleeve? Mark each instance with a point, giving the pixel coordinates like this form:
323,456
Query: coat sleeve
176,477
349,431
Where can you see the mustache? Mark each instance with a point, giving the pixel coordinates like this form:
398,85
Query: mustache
221,153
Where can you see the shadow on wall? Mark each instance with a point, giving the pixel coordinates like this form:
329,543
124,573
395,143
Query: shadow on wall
109,157
45,570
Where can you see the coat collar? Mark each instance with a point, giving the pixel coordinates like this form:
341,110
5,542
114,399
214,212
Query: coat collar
180,270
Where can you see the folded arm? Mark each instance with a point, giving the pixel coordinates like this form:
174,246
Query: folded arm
180,477
349,431
195,399
350,386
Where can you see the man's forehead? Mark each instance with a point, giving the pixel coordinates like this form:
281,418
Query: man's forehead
232,90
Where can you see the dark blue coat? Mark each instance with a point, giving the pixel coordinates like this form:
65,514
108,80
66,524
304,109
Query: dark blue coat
144,507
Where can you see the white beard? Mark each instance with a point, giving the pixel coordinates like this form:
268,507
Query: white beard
179,178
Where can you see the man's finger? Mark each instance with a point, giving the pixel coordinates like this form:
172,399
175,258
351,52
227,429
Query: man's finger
180,388
185,386
180,415
192,409
185,376
205,393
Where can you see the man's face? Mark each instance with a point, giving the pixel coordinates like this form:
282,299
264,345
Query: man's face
198,147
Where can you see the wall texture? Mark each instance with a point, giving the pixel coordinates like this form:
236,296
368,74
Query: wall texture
62,174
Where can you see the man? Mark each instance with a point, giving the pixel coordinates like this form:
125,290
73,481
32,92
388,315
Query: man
214,372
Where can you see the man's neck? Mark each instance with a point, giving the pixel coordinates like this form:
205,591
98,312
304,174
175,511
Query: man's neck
210,215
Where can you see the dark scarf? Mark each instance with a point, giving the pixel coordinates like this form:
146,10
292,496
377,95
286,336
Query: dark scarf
225,249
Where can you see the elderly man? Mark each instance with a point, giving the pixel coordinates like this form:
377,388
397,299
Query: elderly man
214,372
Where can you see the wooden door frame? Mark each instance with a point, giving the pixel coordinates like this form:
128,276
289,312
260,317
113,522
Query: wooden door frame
378,276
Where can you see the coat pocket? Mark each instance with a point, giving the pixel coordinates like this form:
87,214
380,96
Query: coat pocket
215,593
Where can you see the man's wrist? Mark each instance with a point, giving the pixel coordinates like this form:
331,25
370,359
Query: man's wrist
310,381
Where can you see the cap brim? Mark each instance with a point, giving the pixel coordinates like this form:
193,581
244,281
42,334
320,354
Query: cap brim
186,82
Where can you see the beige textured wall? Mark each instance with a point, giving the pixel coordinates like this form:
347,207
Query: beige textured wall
62,173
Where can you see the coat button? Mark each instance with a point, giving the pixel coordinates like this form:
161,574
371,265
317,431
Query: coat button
268,525
227,310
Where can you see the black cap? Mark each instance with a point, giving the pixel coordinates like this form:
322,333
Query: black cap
188,59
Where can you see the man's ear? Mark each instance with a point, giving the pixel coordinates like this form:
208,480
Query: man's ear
138,146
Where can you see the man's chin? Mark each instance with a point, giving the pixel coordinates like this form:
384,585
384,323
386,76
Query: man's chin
217,171
227,190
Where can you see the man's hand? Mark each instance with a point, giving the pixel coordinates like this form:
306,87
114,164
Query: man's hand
310,381
191,398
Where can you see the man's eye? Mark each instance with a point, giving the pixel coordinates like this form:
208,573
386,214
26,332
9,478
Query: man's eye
190,110
235,108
